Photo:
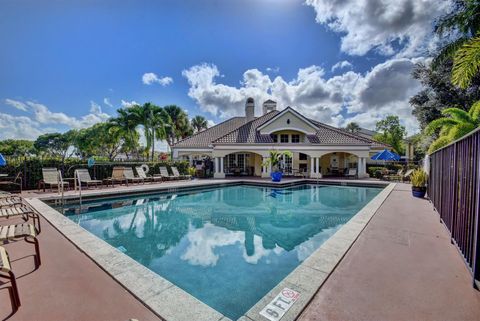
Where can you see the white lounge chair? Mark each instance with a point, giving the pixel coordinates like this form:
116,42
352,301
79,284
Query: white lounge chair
177,174
165,174
84,176
141,173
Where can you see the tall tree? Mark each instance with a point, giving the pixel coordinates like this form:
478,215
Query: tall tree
125,124
16,147
56,144
352,127
199,123
179,124
100,140
454,125
391,132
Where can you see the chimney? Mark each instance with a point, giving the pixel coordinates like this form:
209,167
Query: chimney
250,109
268,106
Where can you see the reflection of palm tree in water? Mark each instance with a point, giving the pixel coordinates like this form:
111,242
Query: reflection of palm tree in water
161,231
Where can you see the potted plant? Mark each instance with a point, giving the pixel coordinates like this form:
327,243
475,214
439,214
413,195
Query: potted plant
274,160
419,181
192,171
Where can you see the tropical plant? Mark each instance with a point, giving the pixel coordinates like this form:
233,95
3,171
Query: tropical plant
275,157
125,125
391,132
455,124
17,147
419,178
199,123
460,24
353,127
179,124
192,171
466,63
56,144
99,140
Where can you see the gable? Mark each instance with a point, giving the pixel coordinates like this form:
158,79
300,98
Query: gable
288,120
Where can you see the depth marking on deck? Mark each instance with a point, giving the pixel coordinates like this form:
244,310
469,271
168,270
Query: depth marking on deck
276,309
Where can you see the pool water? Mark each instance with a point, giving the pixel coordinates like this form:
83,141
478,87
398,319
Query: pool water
227,246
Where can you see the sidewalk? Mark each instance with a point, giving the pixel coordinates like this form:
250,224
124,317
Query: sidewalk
402,267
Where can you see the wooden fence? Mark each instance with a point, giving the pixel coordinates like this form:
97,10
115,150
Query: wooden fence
454,190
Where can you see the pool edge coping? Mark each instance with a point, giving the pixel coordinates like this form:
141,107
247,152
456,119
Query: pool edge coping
171,303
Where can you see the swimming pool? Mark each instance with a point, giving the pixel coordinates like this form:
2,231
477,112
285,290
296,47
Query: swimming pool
226,246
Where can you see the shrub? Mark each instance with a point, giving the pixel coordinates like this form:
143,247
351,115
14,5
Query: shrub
419,178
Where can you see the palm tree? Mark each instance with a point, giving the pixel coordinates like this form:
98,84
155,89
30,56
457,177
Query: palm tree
160,121
456,123
199,123
353,127
466,63
179,124
463,22
125,125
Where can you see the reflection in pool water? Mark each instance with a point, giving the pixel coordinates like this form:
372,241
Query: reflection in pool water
226,246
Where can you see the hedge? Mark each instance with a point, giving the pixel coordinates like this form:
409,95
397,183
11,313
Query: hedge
31,168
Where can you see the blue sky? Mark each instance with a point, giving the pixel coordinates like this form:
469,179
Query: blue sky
67,64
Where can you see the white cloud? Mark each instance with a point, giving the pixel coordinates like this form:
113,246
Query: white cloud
383,25
151,78
17,104
107,102
341,65
126,103
274,70
41,119
365,98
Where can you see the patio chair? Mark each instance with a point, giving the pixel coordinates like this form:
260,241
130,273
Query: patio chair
141,173
22,230
352,173
165,174
84,176
394,177
51,178
12,181
23,210
117,176
8,201
130,176
6,268
176,174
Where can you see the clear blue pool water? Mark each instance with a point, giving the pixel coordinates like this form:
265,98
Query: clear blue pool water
226,246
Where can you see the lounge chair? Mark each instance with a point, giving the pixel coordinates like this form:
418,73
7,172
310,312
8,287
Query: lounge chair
12,181
117,176
6,267
177,175
84,176
352,172
10,201
394,177
165,174
22,210
130,176
21,230
51,177
141,173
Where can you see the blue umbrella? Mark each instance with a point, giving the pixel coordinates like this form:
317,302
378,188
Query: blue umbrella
386,155
3,162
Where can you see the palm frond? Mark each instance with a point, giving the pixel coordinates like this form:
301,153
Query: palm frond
460,130
439,143
475,111
447,52
457,114
440,123
466,63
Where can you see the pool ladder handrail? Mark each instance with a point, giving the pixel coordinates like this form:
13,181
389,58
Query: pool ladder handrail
78,183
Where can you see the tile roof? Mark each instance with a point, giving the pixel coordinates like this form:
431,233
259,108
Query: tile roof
206,137
236,131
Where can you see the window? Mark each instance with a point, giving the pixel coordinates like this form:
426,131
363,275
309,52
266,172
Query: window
302,156
241,161
275,138
295,138
283,138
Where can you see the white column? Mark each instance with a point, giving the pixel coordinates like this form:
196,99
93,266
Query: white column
265,172
219,168
317,168
362,167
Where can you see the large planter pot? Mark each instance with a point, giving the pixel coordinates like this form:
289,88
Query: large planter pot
419,191
276,176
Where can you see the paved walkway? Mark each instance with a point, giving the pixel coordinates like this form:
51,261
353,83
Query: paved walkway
68,286
402,267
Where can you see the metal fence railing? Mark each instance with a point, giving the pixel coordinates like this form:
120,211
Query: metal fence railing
454,190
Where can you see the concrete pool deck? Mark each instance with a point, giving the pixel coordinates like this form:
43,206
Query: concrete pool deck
432,273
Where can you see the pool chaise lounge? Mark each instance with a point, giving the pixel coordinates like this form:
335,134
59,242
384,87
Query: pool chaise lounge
26,231
85,178
6,268
177,175
165,174
117,176
130,176
51,177
141,173
23,210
